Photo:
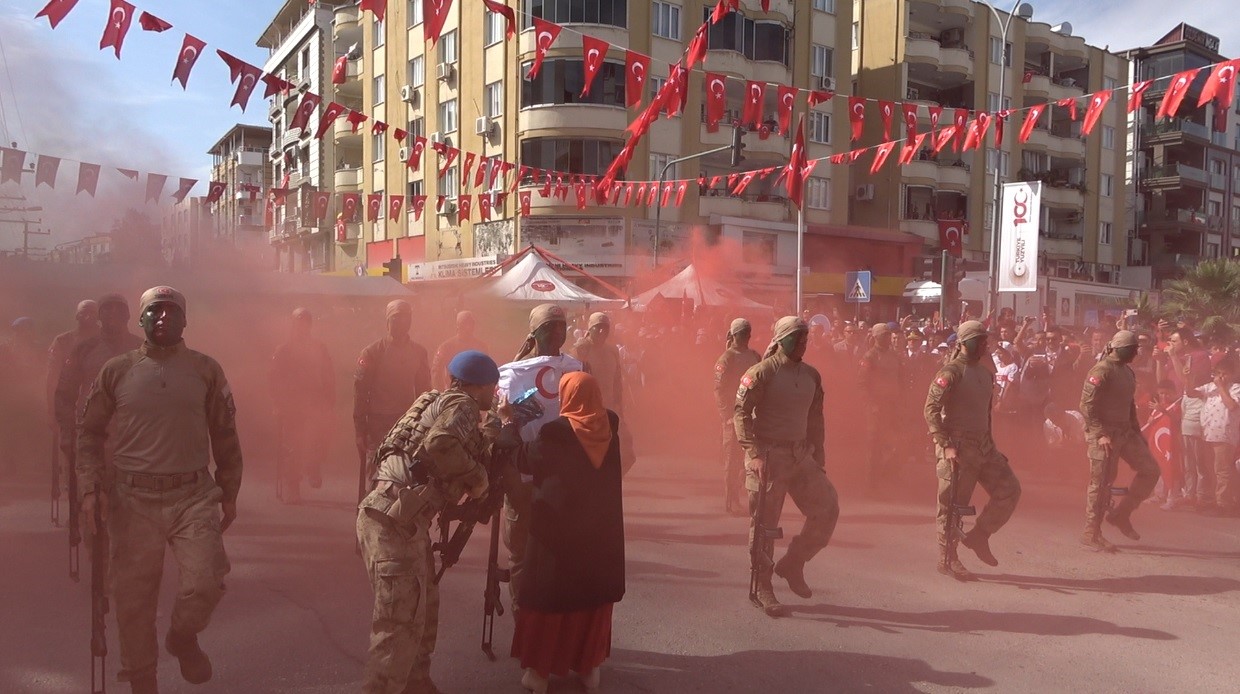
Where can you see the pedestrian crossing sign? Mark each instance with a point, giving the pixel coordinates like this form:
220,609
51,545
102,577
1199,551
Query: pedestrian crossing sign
857,287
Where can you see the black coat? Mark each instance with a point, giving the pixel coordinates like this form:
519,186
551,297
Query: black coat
574,559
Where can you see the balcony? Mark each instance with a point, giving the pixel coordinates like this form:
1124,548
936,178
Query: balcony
1175,176
1172,131
349,180
957,60
346,24
1062,244
1065,144
344,135
767,208
920,48
1065,88
923,172
246,158
290,138
1218,181
927,229
954,176
555,117
732,62
249,222
351,88
1063,195
1038,87
1176,217
960,7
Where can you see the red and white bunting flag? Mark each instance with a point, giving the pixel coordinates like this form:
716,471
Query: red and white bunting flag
275,85
45,171
184,186
397,134
356,119
755,95
484,207
301,118
55,12
510,17
524,197
467,167
480,176
1070,104
503,169
1221,84
545,34
910,119
117,27
787,98
796,165
594,50
697,47
652,194
1001,121
880,156
155,186
579,192
378,127
628,193
681,189
977,132
668,188
340,71
545,190
320,201
838,158
150,22
1097,103
678,89
415,152
911,148
434,14
191,48
395,204
886,110
374,204
819,96
951,235
418,203
636,68
131,174
379,7
561,188
448,155
1031,122
215,190
464,205
856,116
944,136
745,179
244,75
1135,93
342,231
330,114
961,121
350,204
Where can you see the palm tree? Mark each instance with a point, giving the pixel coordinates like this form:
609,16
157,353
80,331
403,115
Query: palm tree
1208,296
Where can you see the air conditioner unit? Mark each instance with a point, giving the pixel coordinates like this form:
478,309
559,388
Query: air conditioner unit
404,154
483,125
436,138
826,82
449,207
445,71
408,94
304,87
865,192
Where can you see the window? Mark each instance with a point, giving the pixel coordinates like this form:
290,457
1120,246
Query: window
992,102
417,128
756,40
758,247
1212,250
996,159
494,28
1104,233
304,65
584,156
1218,166
1108,185
609,12
1000,51
1108,137
378,144
378,34
820,62
818,193
414,12
988,215
447,116
856,35
918,203
819,127
1109,83
657,162
380,85
656,83
415,189
825,6
495,99
560,82
1214,208
417,71
1235,213
666,19
447,47
449,182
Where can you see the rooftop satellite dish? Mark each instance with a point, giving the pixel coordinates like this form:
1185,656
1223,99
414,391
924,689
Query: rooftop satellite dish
1025,11
1064,29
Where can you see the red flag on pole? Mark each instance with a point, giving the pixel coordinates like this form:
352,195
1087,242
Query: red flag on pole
1097,103
1031,122
856,116
340,71
150,22
545,34
796,164
215,190
56,10
751,114
191,48
716,100
594,50
320,201
510,17
45,172
886,110
183,188
117,27
636,67
395,203
951,236
786,97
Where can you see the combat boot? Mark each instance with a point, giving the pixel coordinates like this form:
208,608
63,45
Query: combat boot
195,665
1092,538
979,541
766,599
793,571
1123,522
144,684
949,565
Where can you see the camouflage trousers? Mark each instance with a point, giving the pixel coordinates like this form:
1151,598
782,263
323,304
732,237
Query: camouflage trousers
793,471
518,497
1132,447
141,524
733,463
978,462
405,621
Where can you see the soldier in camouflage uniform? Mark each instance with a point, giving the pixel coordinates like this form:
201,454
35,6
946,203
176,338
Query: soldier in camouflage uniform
87,317
778,420
736,359
167,409
1113,431
882,377
602,359
433,456
957,411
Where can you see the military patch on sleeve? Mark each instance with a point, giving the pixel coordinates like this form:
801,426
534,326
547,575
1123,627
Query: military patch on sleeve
1094,380
746,381
941,381
229,404
719,367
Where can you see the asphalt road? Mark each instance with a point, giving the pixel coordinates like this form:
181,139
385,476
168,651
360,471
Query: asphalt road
1161,616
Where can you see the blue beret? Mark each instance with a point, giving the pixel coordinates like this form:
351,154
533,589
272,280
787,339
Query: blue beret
474,367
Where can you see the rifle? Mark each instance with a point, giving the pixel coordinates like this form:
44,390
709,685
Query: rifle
75,524
762,544
55,478
955,513
491,603
98,604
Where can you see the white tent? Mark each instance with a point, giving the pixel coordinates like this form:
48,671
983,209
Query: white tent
532,279
703,291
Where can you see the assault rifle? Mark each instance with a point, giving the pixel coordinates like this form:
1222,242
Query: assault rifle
955,512
762,543
75,524
55,478
98,604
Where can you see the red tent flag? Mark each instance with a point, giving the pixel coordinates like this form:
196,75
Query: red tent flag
119,20
594,51
191,48
856,116
951,236
716,100
1175,94
1097,103
545,34
755,93
56,10
636,67
510,17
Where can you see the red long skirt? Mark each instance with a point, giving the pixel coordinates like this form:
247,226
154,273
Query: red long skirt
555,643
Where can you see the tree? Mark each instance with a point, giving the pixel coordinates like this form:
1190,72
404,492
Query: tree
1208,297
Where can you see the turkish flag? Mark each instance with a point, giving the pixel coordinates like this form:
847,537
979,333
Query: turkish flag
301,119
484,207
697,47
579,192
56,10
340,71
880,156
379,7
668,187
1097,103
561,188
246,73
510,17
275,85
395,203
374,204
191,48
131,174
746,179
434,14
464,205
951,235
155,186
1001,121
350,204
11,168
936,112
910,149
330,114
886,110
215,191
415,152
796,164
628,194
397,134
1163,434
342,231
856,116
320,201
1070,104
150,22
1031,122
961,121
819,97
681,189
1028,77
594,51
1221,84
755,93
480,174
118,25
678,86
356,119
467,166
545,34
786,97
45,172
418,203
716,100
449,155
910,119
503,169
1135,93
977,132
524,196
839,158
183,187
545,190
636,67
378,128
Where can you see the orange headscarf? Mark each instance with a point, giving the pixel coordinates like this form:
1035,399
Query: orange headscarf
581,403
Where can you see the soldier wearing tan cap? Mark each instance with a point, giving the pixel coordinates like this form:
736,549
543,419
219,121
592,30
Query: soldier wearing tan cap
737,358
463,341
882,378
87,317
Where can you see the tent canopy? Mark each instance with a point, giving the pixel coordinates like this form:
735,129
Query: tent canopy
704,291
532,279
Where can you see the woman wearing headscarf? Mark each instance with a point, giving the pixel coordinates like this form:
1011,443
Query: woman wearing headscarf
574,561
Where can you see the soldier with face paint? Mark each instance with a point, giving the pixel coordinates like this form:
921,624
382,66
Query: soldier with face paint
165,410
1108,404
737,358
778,420
957,411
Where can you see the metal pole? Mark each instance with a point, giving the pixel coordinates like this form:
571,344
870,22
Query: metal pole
997,199
800,254
658,209
943,288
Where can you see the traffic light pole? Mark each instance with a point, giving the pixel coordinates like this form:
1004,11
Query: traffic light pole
734,148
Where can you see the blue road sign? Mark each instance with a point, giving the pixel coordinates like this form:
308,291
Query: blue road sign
857,287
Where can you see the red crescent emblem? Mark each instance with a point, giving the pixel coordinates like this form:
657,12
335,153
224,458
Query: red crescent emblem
747,381
1095,380
1164,450
941,381
538,383
858,109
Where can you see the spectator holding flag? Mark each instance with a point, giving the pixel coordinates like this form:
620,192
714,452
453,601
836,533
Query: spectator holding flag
1220,424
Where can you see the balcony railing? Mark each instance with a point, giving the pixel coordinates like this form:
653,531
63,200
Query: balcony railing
1103,273
1192,173
1184,216
1181,125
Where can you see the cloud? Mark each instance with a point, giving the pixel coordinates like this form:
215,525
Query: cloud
1136,23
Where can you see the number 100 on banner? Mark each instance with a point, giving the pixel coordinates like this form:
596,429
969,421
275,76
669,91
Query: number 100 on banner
1018,236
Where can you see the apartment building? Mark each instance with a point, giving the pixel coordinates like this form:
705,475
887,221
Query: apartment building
241,159
469,91
1184,173
951,53
304,42
186,231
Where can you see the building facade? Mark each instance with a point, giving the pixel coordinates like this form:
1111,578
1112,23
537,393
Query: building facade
952,54
1185,171
469,91
241,159
187,232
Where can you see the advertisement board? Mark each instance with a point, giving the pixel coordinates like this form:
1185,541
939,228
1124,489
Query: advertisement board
1018,236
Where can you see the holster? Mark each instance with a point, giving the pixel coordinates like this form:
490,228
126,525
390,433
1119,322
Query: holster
408,507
